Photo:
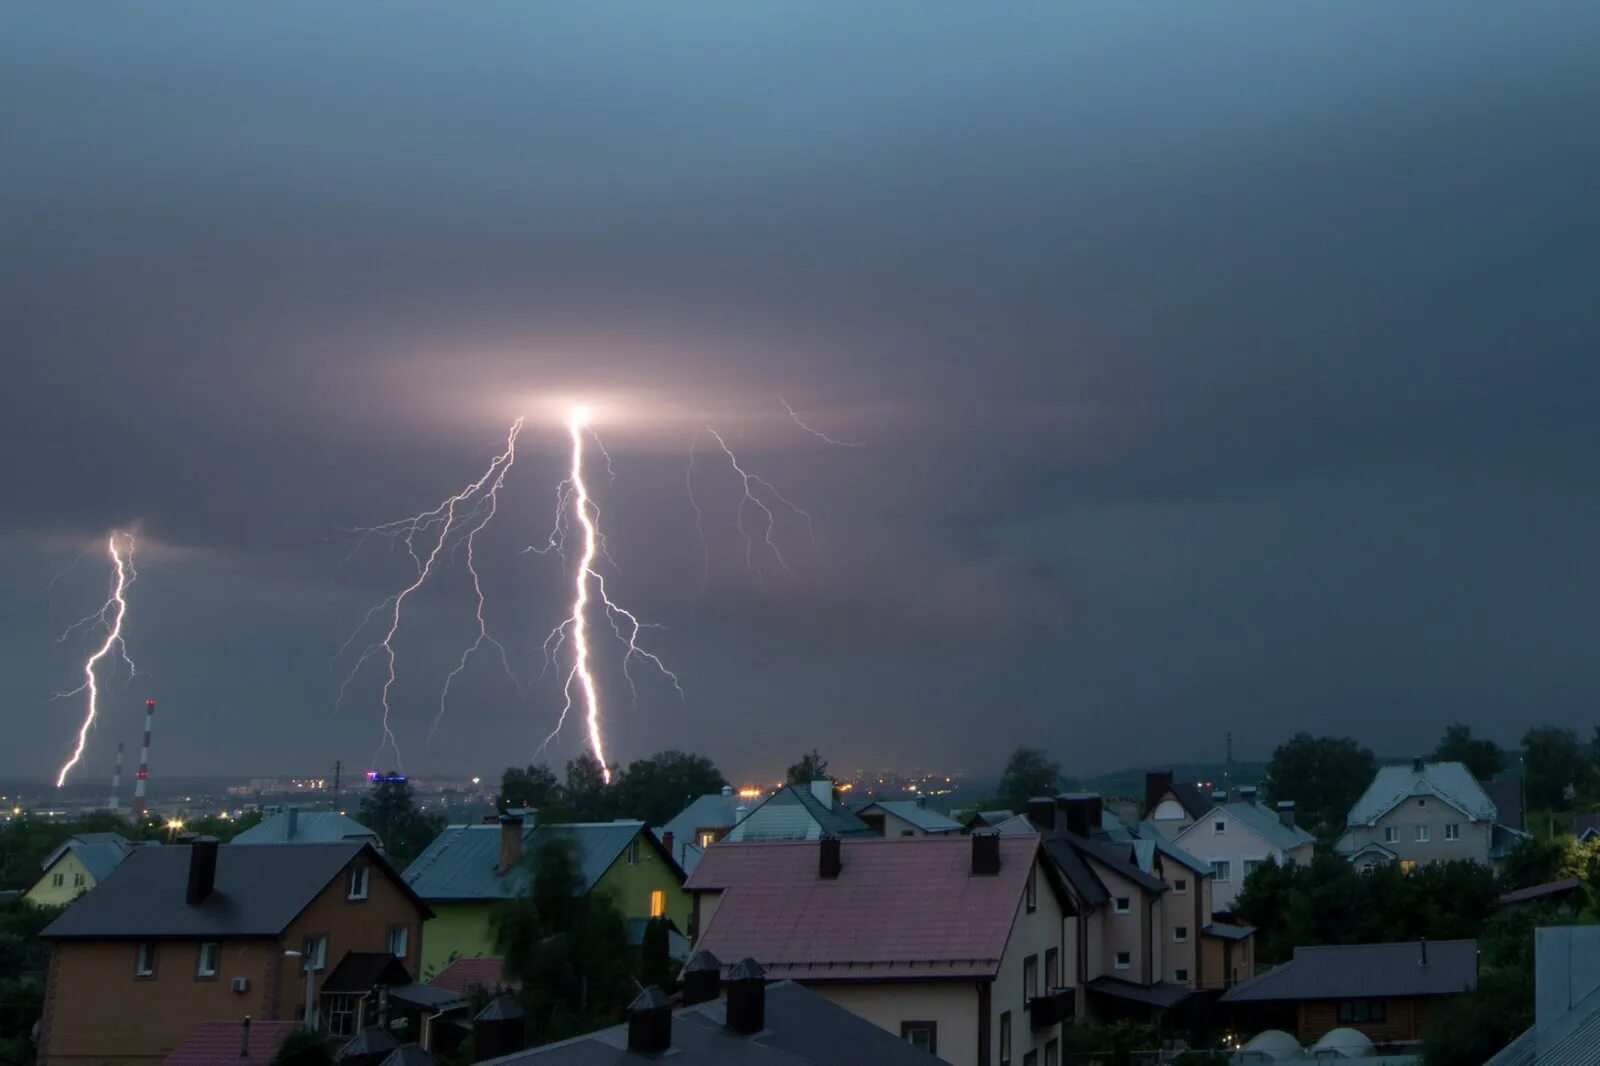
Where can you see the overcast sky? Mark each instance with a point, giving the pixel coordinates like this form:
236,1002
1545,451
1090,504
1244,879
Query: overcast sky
1217,367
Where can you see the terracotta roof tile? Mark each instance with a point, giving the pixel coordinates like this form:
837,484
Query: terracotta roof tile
219,1044
463,975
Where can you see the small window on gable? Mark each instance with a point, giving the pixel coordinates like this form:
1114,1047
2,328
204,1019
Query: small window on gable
1452,831
57,880
1031,893
1422,834
1219,827
1124,960
1422,802
357,888
77,880
206,963
399,940
144,963
924,1036
1122,905
1180,886
633,852
1180,934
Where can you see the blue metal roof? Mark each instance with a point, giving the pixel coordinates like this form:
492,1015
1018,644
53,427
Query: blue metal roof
924,819
460,863
99,859
1449,781
310,827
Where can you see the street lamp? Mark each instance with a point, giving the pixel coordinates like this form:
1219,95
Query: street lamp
311,1018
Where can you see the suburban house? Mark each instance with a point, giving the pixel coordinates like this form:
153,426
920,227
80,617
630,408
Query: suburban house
469,870
1388,992
700,825
200,932
755,1024
1566,1000
1172,806
294,826
905,818
1424,812
1585,827
956,944
1234,838
799,812
80,863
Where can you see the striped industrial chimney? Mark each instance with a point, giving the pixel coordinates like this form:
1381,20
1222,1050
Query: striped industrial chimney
143,776
116,780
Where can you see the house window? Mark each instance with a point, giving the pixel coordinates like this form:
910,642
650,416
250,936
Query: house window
658,902
706,838
1355,1011
1422,802
57,880
1005,1038
77,880
1181,975
921,1035
1122,905
399,940
1221,871
1030,1059
1030,977
1124,960
1052,1053
1031,893
1180,886
144,964
1219,827
342,1015
315,951
358,883
1422,834
633,852
206,962
1452,831
1391,834
1180,934
1052,969
1250,866
1407,865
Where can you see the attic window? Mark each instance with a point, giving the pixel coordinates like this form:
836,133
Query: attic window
145,963
633,852
1219,827
1124,960
1122,905
1422,802
358,883
1180,886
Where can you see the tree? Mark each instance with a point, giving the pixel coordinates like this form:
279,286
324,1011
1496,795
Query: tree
1322,776
810,767
1028,774
655,964
654,790
589,798
390,811
1554,763
534,787
1481,755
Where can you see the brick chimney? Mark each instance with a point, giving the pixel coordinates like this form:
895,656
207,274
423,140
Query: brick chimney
666,845
1286,812
510,843
985,854
202,870
830,862
822,789
1082,810
1042,813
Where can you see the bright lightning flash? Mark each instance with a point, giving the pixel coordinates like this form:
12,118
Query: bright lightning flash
580,675
119,546
463,517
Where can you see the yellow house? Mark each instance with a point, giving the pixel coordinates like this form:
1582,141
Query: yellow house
470,869
75,867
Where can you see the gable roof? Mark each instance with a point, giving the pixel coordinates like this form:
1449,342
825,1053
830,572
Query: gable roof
1584,826
790,812
99,857
220,1044
460,863
900,907
465,974
1506,795
258,892
919,816
1260,819
715,810
309,827
1351,971
1451,782
802,1027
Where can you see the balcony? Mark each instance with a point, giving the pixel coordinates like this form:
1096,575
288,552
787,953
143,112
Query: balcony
1055,1006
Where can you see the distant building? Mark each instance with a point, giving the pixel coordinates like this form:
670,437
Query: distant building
1566,1000
1234,838
700,825
1172,806
469,870
80,863
905,818
799,812
1585,827
1425,812
294,826
1387,992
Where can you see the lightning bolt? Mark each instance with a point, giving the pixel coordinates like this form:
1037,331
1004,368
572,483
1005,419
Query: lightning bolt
464,515
572,497
754,487
817,433
111,617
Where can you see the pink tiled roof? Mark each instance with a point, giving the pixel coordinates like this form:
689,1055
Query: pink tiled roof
463,975
900,907
219,1043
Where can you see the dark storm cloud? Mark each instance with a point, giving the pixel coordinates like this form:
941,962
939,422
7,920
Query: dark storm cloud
1220,368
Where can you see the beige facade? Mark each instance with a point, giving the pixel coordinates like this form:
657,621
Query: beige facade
66,879
1423,829
1234,847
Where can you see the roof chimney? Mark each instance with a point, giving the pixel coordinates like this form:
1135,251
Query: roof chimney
985,854
1286,812
649,1023
1042,813
1082,811
666,845
294,822
831,861
1416,765
727,790
1156,783
510,843
747,998
702,978
202,870
822,789
1247,793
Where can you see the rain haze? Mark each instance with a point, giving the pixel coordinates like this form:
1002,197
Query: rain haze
1214,368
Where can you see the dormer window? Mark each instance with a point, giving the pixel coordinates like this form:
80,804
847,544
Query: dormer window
358,883
1219,827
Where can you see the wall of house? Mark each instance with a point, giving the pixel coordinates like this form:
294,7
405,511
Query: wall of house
1226,962
1121,932
951,1005
99,1012
75,881
1435,814
1186,909
461,929
629,885
1032,934
1404,1019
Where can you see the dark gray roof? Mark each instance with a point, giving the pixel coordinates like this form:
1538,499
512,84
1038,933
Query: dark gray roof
1366,970
310,827
1228,931
924,819
1506,795
409,1055
801,1027
833,820
362,971
1089,889
1163,994
460,863
369,1041
258,892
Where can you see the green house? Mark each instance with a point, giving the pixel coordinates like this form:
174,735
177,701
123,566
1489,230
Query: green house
469,869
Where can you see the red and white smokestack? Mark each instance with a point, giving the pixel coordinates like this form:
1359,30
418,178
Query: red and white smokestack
116,780
143,775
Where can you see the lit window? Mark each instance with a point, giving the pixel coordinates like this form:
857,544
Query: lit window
1122,905
658,902
1422,834
1124,960
206,964
1452,831
924,1036
1180,975
145,963
1407,865
1221,871
1219,827
1180,934
707,837
1180,886
358,882
399,940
